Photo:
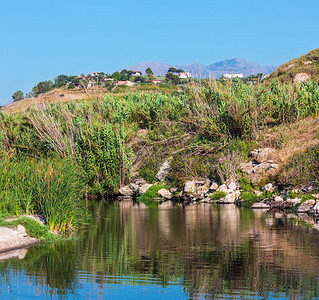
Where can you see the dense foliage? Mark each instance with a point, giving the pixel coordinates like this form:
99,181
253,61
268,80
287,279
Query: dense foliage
102,142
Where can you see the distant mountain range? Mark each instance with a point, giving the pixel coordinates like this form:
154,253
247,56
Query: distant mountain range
216,70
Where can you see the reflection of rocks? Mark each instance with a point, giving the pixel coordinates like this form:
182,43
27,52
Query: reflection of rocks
20,254
260,205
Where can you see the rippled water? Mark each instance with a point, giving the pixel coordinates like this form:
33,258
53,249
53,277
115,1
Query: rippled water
200,251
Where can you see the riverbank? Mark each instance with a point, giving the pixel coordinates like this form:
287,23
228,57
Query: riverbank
57,157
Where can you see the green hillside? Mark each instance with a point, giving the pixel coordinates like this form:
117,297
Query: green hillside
308,65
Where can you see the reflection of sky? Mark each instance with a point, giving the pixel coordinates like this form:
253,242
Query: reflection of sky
86,289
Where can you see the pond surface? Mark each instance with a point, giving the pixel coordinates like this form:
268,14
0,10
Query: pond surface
200,251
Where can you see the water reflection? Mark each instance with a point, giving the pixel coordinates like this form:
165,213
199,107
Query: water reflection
199,250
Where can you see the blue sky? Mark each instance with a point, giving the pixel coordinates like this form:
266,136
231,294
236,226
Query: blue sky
42,39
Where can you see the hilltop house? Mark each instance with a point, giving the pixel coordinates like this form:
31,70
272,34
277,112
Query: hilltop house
127,83
137,73
95,73
156,81
229,76
184,75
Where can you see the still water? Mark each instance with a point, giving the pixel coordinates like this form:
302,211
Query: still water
200,251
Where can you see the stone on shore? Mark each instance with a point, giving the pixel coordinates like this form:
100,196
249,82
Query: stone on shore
143,188
164,193
126,191
306,206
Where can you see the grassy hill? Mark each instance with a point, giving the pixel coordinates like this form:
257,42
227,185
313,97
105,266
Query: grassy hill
308,65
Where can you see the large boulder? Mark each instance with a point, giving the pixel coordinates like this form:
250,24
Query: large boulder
163,171
306,206
228,199
164,193
143,188
126,191
197,188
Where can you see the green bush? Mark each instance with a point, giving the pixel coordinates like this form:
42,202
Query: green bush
248,199
217,195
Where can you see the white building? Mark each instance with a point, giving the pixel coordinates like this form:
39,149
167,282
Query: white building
229,76
95,73
184,75
137,73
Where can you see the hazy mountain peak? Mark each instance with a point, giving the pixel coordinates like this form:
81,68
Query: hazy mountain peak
233,65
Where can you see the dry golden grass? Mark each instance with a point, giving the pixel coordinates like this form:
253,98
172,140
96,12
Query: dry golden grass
290,139
56,95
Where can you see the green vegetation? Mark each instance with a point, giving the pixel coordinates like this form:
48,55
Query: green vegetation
301,169
217,195
151,194
247,199
92,147
49,186
17,96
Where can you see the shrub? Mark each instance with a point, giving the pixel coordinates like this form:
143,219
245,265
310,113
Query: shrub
217,195
248,199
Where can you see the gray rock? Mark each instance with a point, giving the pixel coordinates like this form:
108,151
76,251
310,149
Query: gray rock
278,200
268,187
133,187
261,155
306,206
213,186
260,205
206,200
222,188
232,185
126,191
197,187
164,193
189,187
143,188
163,171
230,198
294,201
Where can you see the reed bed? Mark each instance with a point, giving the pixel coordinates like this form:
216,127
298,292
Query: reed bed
99,139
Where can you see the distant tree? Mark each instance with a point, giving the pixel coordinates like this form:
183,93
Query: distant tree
116,76
180,71
61,80
42,87
171,70
170,77
17,96
149,71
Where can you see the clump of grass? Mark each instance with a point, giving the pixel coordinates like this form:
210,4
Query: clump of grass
245,184
217,195
247,199
301,169
51,186
150,194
